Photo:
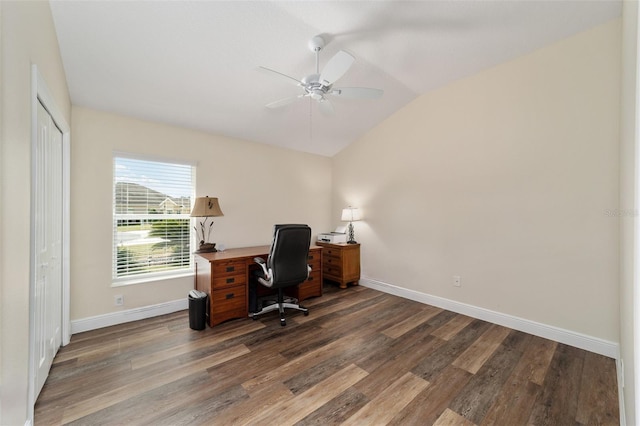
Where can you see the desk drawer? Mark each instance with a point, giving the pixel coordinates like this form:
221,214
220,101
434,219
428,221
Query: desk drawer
314,256
228,267
315,264
229,299
229,280
312,287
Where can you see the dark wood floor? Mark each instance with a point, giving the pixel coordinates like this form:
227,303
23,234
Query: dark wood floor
361,357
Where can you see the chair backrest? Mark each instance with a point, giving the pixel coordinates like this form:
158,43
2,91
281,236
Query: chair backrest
288,256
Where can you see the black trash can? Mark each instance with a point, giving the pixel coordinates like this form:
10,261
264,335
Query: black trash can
197,309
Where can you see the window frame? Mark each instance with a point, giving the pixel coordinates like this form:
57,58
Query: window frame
146,277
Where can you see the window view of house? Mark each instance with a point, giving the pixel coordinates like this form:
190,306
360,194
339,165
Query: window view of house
152,202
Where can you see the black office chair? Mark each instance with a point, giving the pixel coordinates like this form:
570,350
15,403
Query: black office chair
285,267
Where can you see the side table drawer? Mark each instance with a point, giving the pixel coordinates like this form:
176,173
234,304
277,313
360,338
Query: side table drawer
328,251
332,270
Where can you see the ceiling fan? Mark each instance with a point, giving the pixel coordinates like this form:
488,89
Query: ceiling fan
320,85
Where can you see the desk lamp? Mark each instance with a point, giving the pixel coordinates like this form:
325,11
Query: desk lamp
351,214
205,207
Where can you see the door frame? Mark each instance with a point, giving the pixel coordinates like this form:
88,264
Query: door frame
41,93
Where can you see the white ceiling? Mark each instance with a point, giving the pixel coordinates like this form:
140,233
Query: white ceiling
195,63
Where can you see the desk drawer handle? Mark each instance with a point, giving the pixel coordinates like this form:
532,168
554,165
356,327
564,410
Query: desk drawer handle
310,279
311,257
231,268
229,296
230,280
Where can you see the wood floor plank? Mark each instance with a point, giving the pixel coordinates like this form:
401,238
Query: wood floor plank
517,396
473,401
430,403
300,406
235,371
539,359
395,366
261,401
308,377
443,356
451,418
412,322
193,345
336,411
366,313
479,352
558,401
389,402
332,308
141,407
296,365
85,407
453,327
113,346
598,389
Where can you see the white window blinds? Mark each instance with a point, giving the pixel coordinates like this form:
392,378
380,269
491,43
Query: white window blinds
151,223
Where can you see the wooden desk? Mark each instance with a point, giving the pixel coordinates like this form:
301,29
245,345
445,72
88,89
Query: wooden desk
224,276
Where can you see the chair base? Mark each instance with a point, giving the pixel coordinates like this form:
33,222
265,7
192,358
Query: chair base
281,305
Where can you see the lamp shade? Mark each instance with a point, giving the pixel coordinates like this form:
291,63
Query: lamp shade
206,207
351,214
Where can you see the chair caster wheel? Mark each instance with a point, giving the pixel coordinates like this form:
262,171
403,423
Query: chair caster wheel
306,314
254,318
283,323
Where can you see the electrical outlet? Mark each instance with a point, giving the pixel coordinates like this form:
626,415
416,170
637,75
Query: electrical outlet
456,281
118,300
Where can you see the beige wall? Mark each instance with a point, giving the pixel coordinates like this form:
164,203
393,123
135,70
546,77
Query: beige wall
629,203
506,179
241,174
28,36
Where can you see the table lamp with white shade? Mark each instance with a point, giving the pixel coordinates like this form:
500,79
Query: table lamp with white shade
351,214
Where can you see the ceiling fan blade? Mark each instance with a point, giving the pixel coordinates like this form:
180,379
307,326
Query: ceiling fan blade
278,73
282,102
357,93
325,106
336,67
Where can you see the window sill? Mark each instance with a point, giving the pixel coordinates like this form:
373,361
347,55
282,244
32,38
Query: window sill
150,278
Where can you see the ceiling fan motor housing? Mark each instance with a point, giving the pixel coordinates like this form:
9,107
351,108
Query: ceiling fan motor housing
313,87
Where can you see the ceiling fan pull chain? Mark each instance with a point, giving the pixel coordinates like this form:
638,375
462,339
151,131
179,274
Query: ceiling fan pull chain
310,122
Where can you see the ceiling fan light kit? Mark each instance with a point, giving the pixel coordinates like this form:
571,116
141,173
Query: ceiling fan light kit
320,84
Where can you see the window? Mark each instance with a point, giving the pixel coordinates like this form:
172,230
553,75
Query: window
151,223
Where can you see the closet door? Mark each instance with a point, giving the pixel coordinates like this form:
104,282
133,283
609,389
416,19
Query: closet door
48,209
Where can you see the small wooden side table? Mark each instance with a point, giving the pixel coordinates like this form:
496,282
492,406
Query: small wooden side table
341,263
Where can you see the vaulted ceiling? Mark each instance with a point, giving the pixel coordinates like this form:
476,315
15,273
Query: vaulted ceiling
196,63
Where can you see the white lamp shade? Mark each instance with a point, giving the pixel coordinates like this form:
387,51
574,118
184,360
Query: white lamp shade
351,214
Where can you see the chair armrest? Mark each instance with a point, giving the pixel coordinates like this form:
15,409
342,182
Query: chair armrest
260,261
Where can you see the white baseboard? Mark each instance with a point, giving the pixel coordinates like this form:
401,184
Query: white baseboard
572,338
114,318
